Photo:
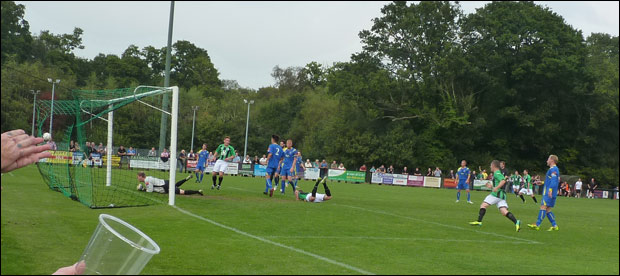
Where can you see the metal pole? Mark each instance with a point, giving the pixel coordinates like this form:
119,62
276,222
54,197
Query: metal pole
34,104
173,144
247,124
52,111
108,181
193,125
165,101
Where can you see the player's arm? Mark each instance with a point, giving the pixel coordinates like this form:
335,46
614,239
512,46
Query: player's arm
468,176
501,184
294,163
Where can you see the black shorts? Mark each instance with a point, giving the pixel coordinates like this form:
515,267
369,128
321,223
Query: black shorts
166,187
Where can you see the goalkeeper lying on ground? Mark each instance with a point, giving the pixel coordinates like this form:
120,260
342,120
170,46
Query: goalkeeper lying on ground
314,197
152,184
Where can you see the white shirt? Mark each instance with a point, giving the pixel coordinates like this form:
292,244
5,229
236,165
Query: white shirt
154,184
308,165
263,161
247,161
578,185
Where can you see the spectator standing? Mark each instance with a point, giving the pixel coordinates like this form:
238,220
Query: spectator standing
429,172
236,159
405,172
152,152
71,146
452,176
363,168
334,165
341,167
323,168
372,169
417,172
183,160
122,153
247,160
263,160
191,155
437,172
591,187
308,164
255,159
131,152
316,163
578,185
390,169
381,169
164,156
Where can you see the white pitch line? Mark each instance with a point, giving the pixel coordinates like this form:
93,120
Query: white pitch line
437,223
395,238
358,270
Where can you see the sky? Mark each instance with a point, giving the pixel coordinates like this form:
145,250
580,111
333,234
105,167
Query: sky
245,40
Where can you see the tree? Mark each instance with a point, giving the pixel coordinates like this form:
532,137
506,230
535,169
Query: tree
16,39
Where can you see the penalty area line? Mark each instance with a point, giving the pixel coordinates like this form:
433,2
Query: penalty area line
325,259
439,224
396,239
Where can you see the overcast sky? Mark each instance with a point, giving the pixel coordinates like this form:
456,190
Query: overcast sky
247,39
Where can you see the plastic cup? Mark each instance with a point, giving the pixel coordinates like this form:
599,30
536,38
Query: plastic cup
116,248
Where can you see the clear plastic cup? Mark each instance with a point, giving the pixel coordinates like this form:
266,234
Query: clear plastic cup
116,248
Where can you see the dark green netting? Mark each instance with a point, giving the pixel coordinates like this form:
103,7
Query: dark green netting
72,173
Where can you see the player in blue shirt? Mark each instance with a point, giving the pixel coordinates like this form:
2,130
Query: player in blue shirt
277,177
287,170
273,162
463,174
550,193
203,156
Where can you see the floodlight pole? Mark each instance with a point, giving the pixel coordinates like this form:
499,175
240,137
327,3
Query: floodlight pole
193,125
165,102
247,125
108,181
52,109
34,104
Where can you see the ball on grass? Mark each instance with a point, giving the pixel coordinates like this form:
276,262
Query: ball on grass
47,137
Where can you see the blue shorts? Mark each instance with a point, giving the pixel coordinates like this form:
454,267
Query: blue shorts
548,201
462,185
270,171
200,168
286,172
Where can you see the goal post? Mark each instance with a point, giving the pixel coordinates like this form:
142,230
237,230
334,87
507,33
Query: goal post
97,178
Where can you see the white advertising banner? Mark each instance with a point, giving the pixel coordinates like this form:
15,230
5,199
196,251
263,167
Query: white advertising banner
312,173
434,182
400,179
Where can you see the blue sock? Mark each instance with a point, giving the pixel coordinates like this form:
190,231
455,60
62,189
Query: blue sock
201,176
196,176
458,195
283,182
551,218
295,185
283,187
468,197
268,184
541,216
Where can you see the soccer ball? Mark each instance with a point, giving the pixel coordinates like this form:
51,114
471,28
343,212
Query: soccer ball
47,137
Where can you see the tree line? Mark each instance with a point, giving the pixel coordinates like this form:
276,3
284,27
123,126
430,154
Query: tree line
431,86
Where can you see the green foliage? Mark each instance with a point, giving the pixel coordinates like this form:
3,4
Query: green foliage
511,81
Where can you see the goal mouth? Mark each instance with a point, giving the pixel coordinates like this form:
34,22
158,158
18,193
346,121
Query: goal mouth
102,175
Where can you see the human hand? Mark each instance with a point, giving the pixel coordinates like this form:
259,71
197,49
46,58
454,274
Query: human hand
76,269
20,149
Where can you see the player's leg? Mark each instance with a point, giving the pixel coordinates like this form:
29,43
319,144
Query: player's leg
328,193
214,179
179,183
219,185
521,192
481,213
541,216
316,186
458,193
268,177
551,216
468,196
504,210
189,192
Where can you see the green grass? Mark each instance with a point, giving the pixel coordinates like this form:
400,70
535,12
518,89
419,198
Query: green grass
379,229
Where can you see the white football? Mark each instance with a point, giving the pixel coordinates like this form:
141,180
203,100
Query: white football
47,136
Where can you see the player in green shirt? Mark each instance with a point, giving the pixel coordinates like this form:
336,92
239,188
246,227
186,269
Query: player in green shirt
497,197
224,153
516,183
527,187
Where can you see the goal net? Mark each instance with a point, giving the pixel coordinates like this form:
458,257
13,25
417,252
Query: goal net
88,133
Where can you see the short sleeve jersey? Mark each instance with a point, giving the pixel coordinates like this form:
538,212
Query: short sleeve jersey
497,178
551,182
276,155
203,155
463,173
289,157
224,151
528,181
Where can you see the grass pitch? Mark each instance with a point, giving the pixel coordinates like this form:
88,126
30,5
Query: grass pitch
364,229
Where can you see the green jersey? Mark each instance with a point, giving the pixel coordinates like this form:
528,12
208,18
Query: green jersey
528,181
516,180
224,152
497,178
